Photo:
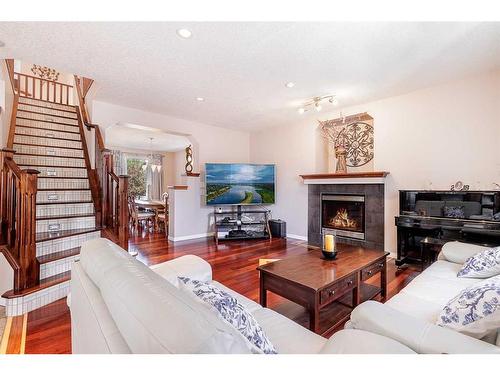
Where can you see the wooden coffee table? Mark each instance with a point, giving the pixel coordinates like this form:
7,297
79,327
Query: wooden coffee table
316,283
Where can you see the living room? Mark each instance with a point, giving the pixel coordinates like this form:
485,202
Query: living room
307,186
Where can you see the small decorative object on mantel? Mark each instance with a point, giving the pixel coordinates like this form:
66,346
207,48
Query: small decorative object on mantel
328,248
352,140
189,159
459,186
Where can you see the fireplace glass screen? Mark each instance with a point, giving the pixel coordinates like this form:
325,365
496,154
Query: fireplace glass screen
344,214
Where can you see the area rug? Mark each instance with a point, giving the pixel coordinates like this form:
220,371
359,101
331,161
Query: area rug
3,321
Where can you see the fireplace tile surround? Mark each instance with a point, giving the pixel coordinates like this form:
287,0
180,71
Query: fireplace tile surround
374,211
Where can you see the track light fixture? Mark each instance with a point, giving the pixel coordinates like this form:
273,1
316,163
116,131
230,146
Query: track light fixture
316,103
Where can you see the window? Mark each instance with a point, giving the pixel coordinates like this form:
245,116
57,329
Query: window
137,180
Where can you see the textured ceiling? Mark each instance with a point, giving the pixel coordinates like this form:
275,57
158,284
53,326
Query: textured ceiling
241,68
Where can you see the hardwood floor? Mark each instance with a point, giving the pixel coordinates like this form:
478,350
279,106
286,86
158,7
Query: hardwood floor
234,264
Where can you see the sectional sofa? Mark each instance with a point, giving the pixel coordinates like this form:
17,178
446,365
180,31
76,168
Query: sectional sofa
119,305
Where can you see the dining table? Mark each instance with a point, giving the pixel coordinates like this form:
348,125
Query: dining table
151,204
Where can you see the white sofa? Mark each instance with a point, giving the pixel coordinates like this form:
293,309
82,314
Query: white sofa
410,316
119,305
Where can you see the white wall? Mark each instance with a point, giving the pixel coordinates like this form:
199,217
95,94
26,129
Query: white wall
440,134
215,144
210,144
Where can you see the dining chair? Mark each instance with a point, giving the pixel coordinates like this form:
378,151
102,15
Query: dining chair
139,217
162,215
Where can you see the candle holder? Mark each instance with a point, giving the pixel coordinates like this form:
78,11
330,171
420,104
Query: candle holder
328,248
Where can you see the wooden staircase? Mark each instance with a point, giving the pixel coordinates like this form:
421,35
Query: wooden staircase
48,138
51,198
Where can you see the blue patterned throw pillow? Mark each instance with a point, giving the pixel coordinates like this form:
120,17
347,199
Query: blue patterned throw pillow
232,312
475,311
456,212
482,265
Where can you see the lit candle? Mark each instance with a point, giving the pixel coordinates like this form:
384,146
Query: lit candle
329,243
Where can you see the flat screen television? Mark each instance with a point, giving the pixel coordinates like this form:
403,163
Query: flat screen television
230,184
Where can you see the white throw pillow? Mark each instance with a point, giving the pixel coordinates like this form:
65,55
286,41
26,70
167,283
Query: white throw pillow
482,265
231,311
475,311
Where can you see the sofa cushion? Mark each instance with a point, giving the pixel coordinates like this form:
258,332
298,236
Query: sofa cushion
459,252
415,306
287,336
475,311
228,308
442,274
96,331
355,341
482,265
186,265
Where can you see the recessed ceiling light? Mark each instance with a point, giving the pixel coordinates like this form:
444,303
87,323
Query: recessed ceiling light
184,33
290,84
200,99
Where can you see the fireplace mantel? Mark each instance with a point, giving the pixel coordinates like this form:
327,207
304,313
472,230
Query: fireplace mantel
344,178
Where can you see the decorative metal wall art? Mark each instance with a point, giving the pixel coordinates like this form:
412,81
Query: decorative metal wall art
358,141
189,159
352,139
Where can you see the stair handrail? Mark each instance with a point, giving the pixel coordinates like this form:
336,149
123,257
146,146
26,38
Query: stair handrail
112,189
18,189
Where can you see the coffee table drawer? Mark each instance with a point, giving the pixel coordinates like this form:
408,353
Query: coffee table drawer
337,290
372,270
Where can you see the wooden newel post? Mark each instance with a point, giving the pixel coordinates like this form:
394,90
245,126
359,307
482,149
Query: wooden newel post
27,244
107,191
123,219
5,154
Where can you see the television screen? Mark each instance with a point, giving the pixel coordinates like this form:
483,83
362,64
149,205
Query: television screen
239,183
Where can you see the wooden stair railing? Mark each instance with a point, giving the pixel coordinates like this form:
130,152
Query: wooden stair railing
115,198
40,88
112,189
18,190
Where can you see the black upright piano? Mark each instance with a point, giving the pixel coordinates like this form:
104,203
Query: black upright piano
440,216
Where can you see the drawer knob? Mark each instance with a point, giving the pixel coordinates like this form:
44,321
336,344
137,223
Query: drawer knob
331,292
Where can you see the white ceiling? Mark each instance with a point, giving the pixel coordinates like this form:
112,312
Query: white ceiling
134,136
241,68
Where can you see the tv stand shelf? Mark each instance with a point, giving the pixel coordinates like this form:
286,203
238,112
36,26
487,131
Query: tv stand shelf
233,222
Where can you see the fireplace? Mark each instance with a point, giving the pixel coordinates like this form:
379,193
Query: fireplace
343,215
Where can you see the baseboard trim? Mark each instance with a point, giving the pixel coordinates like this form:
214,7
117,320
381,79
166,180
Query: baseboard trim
190,237
296,237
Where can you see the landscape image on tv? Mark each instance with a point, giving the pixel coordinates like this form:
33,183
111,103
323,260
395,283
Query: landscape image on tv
239,183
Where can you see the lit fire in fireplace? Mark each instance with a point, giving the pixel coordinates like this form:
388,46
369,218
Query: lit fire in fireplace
342,220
